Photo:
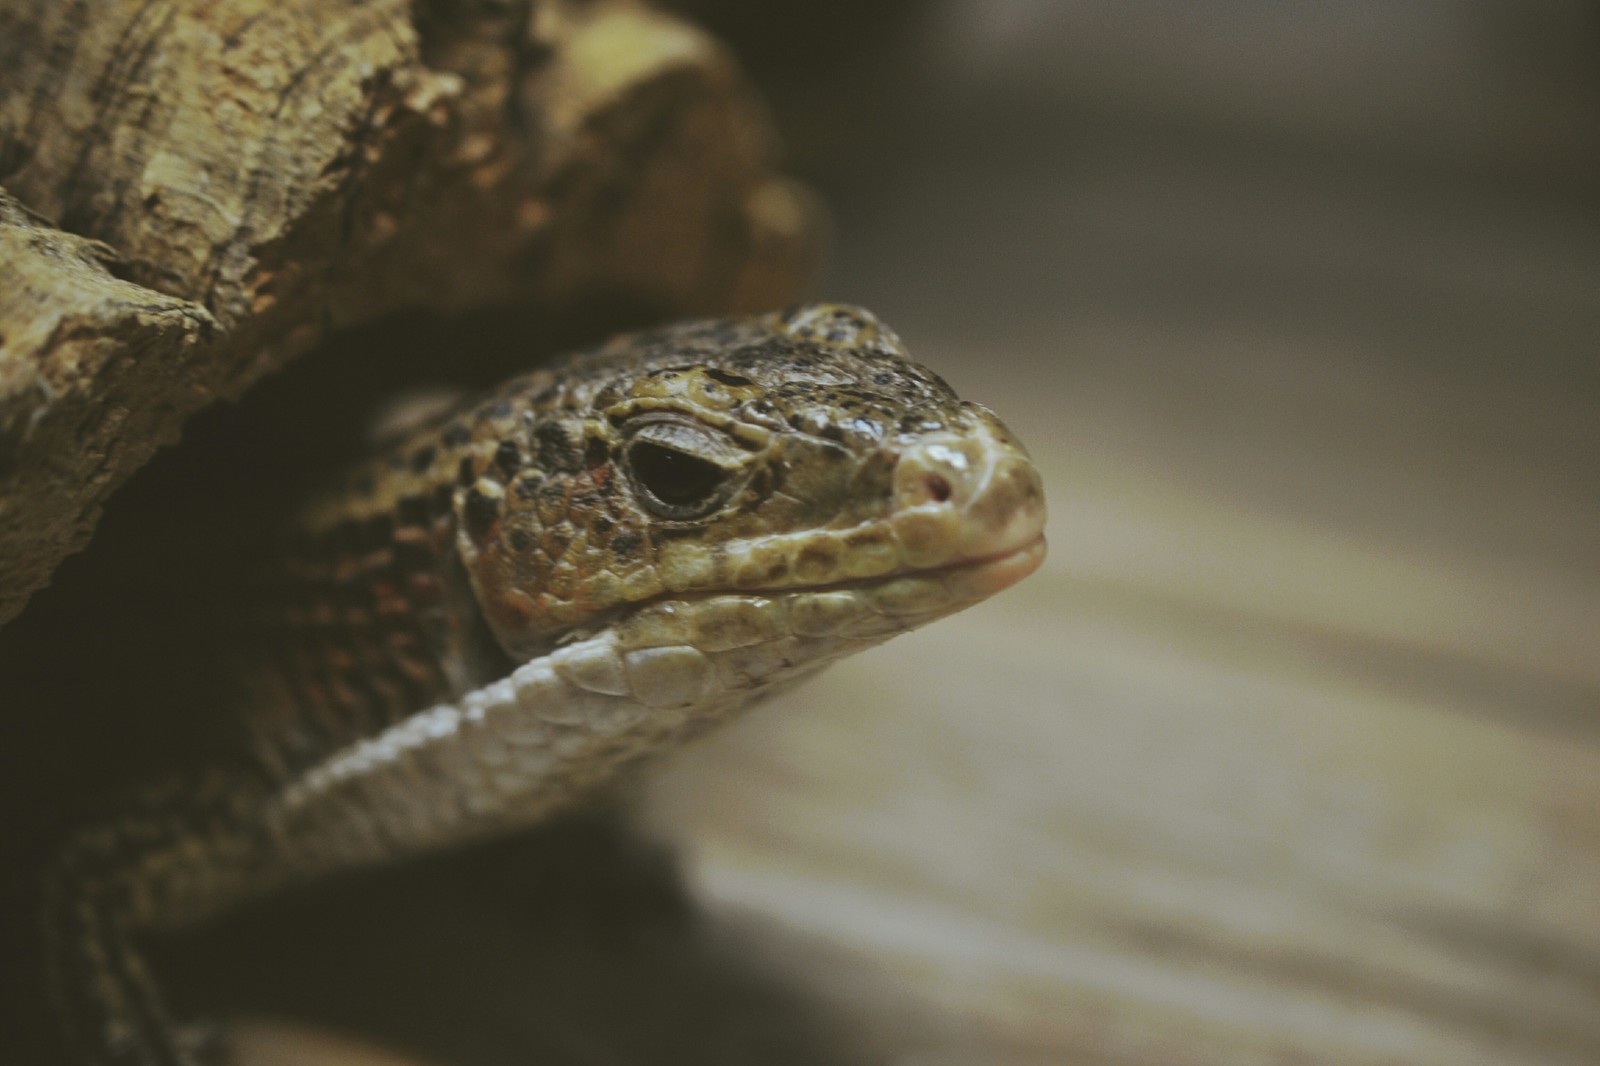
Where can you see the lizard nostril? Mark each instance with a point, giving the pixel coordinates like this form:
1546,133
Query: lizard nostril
940,474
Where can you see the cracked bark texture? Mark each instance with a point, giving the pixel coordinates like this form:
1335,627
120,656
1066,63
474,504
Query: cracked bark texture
194,193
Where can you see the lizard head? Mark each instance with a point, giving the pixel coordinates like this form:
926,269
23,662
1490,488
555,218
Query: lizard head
796,471
658,534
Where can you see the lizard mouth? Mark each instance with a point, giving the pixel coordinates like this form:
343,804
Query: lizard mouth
757,634
990,574
968,579
902,600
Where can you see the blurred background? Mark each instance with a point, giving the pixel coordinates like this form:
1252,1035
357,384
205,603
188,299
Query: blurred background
1291,753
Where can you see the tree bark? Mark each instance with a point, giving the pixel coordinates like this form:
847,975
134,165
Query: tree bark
196,192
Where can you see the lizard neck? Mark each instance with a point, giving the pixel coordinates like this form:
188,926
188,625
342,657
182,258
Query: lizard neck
371,614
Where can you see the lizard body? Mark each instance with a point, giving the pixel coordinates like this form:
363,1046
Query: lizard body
506,607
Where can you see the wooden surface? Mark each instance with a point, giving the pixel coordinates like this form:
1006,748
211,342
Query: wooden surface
1291,753
1216,786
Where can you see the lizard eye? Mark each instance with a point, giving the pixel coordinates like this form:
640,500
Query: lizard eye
680,470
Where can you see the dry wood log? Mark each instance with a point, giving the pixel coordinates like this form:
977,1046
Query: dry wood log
225,182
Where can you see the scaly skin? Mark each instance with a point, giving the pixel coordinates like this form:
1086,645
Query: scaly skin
509,606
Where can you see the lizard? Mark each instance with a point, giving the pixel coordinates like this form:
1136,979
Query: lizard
504,609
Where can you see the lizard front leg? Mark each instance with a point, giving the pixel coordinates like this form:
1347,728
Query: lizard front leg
181,854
